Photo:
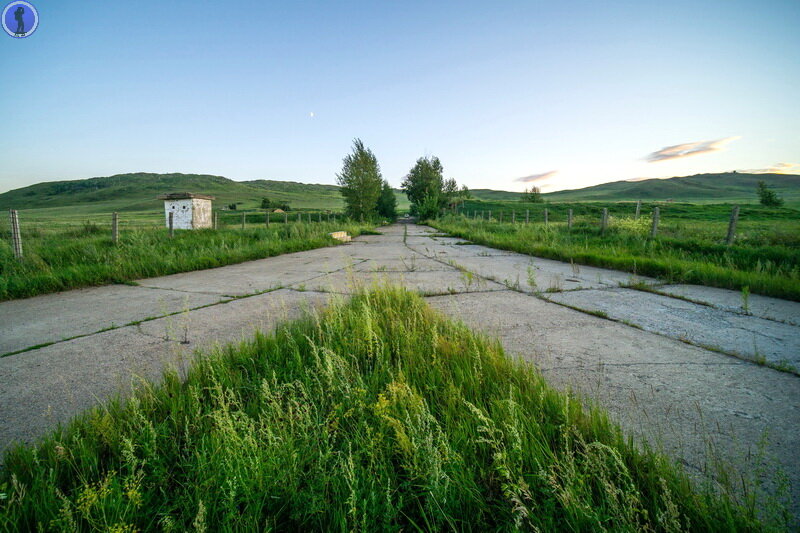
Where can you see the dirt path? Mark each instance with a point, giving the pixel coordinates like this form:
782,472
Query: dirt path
639,354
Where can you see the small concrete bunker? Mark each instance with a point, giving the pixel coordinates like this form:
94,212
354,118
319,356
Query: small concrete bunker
189,210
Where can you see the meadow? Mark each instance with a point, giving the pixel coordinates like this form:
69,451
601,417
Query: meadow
374,414
689,247
71,250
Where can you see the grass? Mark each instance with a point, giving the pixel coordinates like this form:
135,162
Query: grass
765,257
376,414
67,256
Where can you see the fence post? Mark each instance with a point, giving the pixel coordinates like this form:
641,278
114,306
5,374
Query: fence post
216,219
319,216
114,228
299,217
527,216
513,216
243,220
732,225
266,218
656,216
171,224
500,217
16,237
638,208
285,217
546,221
490,216
604,220
329,216
569,219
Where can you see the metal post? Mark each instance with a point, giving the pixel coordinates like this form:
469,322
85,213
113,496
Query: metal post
171,224
16,237
732,225
114,228
569,219
656,216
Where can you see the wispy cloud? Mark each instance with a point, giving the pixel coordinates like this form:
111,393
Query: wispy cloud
687,149
533,178
777,168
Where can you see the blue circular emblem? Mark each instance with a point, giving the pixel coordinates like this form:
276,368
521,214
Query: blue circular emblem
20,19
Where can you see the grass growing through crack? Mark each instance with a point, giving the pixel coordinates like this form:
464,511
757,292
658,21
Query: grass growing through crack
376,414
766,258
62,258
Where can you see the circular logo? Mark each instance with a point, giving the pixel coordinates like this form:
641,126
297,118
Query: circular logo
20,19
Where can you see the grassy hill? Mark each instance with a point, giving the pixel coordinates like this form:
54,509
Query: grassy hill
701,188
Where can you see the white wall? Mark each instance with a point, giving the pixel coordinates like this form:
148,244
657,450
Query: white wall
202,213
182,219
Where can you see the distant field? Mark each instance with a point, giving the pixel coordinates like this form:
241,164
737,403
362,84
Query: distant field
689,248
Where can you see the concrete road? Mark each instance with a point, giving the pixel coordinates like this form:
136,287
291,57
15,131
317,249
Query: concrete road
675,367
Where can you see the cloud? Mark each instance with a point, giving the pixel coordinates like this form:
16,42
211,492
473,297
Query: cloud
311,114
777,168
533,178
687,149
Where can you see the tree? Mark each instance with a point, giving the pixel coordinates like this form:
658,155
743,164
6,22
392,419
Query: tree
424,182
387,203
767,196
265,203
533,195
360,181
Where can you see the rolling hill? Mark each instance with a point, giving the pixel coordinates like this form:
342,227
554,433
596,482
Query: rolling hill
137,192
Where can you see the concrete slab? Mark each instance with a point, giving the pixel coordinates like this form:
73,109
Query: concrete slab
410,263
757,305
425,282
63,315
750,337
680,398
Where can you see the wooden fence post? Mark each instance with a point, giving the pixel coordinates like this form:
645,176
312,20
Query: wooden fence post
656,216
243,221
319,216
285,217
216,219
267,218
604,220
546,221
732,225
569,219
513,216
114,228
638,208
16,236
299,217
527,216
171,224
490,216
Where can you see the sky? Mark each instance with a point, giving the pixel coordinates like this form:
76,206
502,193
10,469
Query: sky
507,94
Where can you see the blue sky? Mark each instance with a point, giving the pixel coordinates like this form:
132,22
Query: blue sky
567,94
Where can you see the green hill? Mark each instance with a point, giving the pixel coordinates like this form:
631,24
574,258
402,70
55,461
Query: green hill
138,192
700,188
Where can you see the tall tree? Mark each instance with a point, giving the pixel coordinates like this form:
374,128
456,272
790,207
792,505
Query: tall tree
424,183
387,203
360,181
534,195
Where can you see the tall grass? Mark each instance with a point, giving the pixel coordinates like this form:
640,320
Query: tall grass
765,257
67,257
377,414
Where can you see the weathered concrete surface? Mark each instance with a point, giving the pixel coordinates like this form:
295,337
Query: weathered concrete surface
48,386
746,336
757,305
680,397
64,315
675,395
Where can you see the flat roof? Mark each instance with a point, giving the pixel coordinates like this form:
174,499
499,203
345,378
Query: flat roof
184,196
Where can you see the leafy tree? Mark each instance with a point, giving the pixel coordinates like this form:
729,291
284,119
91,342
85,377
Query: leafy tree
767,196
360,181
387,203
424,183
464,193
232,207
429,207
265,203
533,195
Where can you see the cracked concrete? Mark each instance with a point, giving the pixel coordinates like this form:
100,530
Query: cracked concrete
681,398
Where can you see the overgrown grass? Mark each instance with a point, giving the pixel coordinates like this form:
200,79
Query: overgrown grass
765,256
71,256
376,415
